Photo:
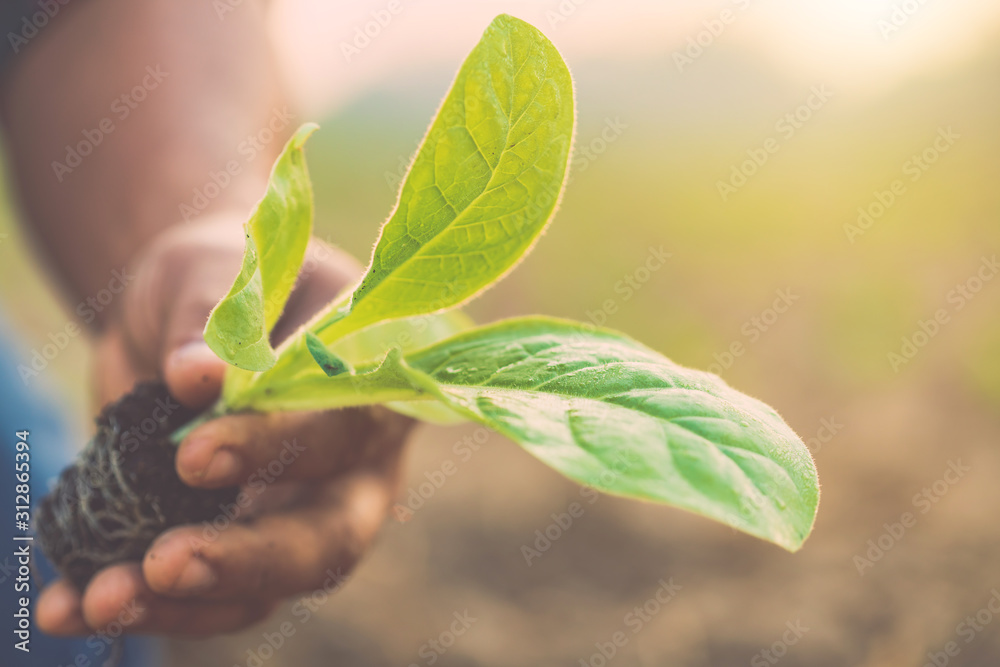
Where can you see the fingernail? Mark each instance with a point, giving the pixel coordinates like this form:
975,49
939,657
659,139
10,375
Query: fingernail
190,353
196,577
222,469
194,456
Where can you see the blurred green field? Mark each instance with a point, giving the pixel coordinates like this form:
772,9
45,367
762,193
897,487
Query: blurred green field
656,185
826,357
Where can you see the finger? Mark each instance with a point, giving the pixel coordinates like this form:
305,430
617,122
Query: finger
59,611
179,283
194,374
279,554
239,450
119,600
115,373
192,371
176,284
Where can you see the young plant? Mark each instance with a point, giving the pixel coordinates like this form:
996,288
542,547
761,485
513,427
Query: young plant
597,406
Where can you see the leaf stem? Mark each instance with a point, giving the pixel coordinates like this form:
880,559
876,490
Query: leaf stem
217,410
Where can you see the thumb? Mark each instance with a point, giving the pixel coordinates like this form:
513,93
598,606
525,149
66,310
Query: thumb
194,374
178,281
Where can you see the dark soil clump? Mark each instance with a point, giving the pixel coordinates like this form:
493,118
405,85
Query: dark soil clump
123,490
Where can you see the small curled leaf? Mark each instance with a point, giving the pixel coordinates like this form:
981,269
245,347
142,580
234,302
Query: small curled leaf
330,363
239,326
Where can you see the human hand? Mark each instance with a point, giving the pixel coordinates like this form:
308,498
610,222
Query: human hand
309,523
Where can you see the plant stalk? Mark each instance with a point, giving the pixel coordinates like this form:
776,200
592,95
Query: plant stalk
217,410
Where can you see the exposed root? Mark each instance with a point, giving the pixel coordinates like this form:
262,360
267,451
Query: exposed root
123,490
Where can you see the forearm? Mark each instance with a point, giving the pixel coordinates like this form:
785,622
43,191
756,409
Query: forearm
160,95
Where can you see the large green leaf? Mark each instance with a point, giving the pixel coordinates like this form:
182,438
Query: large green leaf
276,239
610,413
485,181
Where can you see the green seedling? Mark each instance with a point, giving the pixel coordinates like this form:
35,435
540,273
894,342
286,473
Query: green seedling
592,403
